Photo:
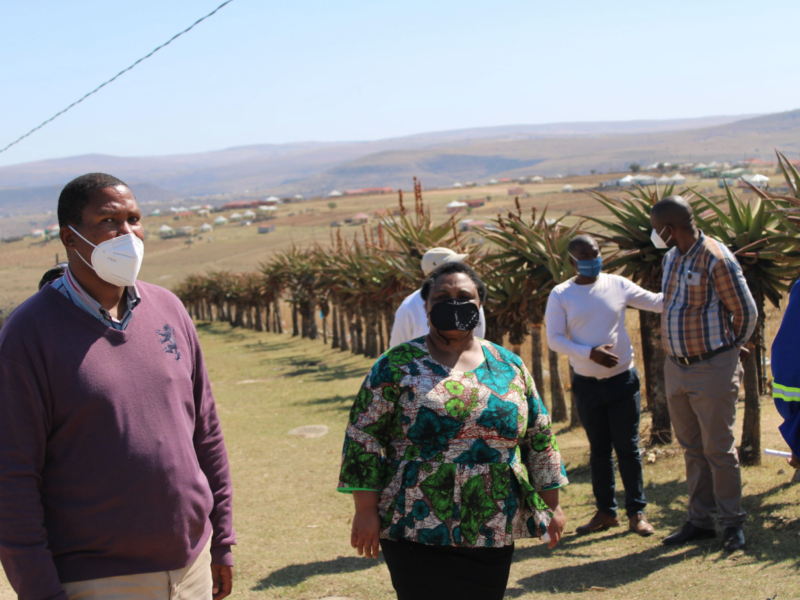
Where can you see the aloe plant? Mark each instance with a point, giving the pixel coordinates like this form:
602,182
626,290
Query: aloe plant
532,256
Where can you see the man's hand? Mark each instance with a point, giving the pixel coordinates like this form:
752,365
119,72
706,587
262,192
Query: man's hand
556,527
602,355
222,580
744,352
365,532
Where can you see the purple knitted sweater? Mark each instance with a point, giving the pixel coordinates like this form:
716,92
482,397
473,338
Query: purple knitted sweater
112,460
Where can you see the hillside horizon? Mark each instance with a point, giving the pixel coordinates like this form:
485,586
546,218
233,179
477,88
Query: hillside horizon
437,158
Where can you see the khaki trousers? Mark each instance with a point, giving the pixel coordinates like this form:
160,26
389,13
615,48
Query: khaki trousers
192,582
702,405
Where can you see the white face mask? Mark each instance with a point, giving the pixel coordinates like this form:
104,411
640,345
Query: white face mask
658,242
117,260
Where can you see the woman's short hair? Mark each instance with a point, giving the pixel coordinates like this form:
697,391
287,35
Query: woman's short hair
449,268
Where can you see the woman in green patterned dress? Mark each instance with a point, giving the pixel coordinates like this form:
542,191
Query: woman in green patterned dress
449,455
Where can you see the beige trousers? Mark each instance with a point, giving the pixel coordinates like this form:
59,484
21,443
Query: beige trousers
702,405
192,582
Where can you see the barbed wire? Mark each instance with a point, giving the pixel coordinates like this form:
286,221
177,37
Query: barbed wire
105,83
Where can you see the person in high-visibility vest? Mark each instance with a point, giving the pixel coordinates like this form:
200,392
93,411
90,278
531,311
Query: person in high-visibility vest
786,375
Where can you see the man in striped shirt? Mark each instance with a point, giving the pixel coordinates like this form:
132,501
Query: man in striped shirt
709,315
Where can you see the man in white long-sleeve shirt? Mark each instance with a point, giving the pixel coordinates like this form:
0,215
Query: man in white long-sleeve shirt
585,319
411,319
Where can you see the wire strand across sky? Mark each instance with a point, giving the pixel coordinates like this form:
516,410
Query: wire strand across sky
125,70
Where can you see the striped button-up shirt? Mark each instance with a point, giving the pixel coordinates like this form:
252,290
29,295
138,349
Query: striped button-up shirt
70,287
707,304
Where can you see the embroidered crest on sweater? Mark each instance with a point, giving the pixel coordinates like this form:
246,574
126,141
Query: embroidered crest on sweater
167,338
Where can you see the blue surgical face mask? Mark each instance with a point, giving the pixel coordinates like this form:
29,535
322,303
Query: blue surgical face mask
589,268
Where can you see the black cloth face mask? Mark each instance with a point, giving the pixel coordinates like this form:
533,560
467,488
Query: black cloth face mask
453,314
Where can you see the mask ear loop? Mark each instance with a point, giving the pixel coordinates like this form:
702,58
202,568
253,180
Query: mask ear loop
662,239
78,252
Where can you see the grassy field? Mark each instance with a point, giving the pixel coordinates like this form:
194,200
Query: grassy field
293,527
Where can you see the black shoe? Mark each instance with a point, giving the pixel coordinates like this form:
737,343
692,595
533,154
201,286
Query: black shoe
689,533
732,539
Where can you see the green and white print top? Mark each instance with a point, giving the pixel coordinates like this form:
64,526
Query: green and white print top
458,457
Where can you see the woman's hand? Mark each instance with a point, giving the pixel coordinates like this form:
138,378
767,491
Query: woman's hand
556,527
366,528
365,533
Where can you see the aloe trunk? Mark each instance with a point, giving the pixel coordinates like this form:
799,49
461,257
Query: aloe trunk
750,454
335,327
574,415
653,357
381,336
536,359
557,398
276,314
371,333
343,331
358,346
311,317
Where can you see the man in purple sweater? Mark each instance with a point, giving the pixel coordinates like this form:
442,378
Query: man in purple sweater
114,480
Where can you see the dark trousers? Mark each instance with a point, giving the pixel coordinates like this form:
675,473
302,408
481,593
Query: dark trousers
610,410
423,572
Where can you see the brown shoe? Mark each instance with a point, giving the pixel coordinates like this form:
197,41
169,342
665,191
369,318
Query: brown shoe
639,524
599,522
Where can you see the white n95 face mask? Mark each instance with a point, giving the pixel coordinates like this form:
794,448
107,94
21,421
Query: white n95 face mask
117,260
658,241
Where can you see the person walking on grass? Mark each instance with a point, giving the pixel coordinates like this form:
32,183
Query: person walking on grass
114,479
411,319
709,315
585,319
449,454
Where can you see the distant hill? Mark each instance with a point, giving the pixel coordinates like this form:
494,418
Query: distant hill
40,200
444,164
438,158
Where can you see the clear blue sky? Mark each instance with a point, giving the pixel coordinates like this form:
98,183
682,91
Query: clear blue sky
270,72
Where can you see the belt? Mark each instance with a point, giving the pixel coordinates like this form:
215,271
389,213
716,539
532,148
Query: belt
690,360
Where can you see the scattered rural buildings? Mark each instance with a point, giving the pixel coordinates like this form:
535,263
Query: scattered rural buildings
455,206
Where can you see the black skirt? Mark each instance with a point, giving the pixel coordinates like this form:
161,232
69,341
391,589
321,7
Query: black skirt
423,572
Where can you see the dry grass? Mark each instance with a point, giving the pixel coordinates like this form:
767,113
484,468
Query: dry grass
293,527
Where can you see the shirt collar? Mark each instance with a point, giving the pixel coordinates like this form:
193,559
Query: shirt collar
695,247
132,300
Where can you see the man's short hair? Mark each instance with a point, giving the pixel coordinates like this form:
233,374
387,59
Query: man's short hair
449,268
580,240
75,196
